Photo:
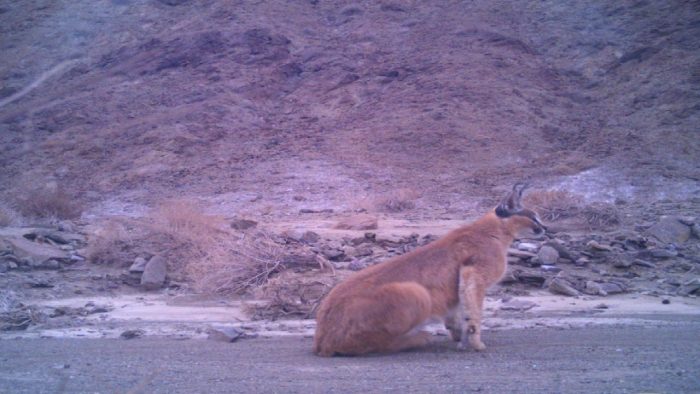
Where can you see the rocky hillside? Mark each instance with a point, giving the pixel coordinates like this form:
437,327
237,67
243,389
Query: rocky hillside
319,103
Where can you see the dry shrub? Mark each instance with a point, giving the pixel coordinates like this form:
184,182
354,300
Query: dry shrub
236,263
48,202
9,217
292,295
113,243
199,248
553,205
601,215
556,205
398,200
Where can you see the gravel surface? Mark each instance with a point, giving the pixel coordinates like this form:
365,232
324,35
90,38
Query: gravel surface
658,358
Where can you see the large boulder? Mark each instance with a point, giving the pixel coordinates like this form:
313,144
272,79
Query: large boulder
153,277
670,230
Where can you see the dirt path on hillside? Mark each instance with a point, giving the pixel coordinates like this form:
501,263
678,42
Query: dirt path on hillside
656,358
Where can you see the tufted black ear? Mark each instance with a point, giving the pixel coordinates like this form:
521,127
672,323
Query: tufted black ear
511,203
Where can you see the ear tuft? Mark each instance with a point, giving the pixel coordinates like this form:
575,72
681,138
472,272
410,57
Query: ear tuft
502,211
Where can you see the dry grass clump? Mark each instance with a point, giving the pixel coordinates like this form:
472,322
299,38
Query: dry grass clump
8,216
113,243
200,249
399,200
553,205
48,202
601,215
292,295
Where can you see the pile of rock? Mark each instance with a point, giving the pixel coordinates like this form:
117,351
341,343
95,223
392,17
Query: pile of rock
27,249
656,259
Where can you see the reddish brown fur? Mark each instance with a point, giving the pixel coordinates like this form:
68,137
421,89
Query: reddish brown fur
381,308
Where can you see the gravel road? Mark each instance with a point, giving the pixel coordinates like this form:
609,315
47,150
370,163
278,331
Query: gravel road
659,358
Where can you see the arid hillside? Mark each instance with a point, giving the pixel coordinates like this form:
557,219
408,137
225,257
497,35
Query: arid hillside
284,105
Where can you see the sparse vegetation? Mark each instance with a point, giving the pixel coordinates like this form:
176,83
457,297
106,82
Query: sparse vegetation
399,200
553,205
48,203
199,248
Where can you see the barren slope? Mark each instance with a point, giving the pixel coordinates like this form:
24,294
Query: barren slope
321,102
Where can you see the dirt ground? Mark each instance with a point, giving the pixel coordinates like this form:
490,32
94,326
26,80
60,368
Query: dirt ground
659,357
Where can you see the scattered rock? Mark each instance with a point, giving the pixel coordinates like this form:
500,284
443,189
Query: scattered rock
665,301
131,334
670,230
602,306
154,273
37,252
562,286
548,255
138,266
358,222
517,305
243,224
224,334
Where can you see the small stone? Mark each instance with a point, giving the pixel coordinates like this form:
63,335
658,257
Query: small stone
622,263
550,268
695,230
521,254
359,251
243,224
358,222
527,246
310,237
665,301
224,334
595,245
518,305
508,277
663,253
563,251
530,277
333,253
138,266
562,286
602,306
358,264
594,288
51,265
613,287
670,230
154,273
131,334
548,255
644,263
